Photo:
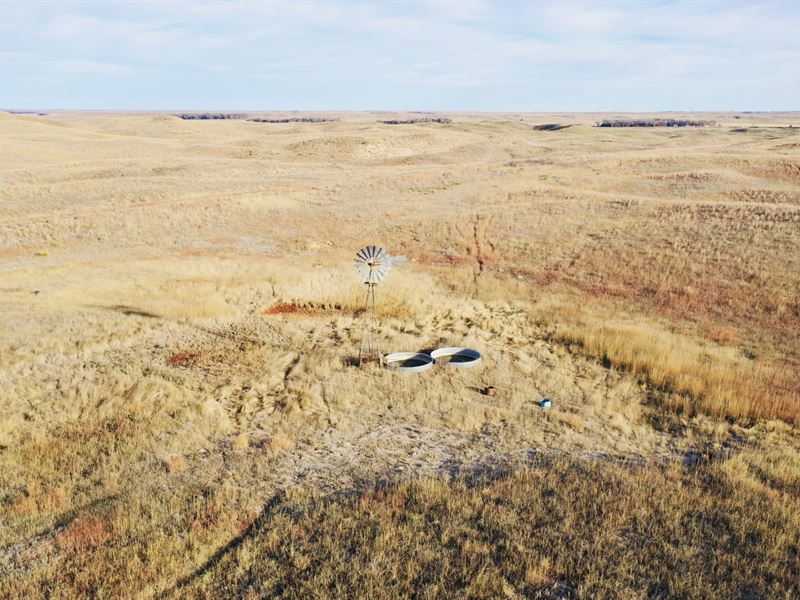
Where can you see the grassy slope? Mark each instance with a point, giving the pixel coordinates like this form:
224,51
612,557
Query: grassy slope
177,319
560,529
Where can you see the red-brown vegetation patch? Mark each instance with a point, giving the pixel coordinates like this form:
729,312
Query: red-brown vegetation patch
304,310
724,335
208,518
450,260
16,251
85,533
182,359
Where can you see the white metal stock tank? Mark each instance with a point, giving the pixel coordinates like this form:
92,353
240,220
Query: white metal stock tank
408,362
456,357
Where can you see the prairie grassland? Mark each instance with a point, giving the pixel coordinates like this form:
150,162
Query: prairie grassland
558,529
179,326
695,377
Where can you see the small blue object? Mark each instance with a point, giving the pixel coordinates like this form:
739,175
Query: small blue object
545,403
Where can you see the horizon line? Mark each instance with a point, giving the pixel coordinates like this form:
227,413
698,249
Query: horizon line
371,110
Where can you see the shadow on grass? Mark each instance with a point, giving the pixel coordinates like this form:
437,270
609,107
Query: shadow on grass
130,311
231,546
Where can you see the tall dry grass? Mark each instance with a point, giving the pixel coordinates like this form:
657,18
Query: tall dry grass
696,377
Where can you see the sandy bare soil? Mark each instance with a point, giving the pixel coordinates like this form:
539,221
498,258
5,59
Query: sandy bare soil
179,313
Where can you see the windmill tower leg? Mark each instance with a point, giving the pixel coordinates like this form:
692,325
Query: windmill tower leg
369,348
365,332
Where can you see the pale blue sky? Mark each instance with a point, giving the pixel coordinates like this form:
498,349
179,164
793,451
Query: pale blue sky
483,56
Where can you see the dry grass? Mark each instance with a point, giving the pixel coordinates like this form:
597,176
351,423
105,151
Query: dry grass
565,527
696,377
561,529
179,326
278,443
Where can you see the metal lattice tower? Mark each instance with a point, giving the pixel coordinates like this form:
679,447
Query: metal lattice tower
372,264
369,346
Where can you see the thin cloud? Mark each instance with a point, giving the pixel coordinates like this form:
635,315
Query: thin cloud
427,55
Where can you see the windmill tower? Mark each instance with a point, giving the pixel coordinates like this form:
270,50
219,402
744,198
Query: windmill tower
372,265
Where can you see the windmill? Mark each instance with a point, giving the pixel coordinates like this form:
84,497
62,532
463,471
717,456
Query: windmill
373,265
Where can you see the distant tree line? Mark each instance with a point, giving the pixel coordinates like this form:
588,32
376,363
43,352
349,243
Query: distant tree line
294,120
231,116
421,120
211,116
653,123
27,112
